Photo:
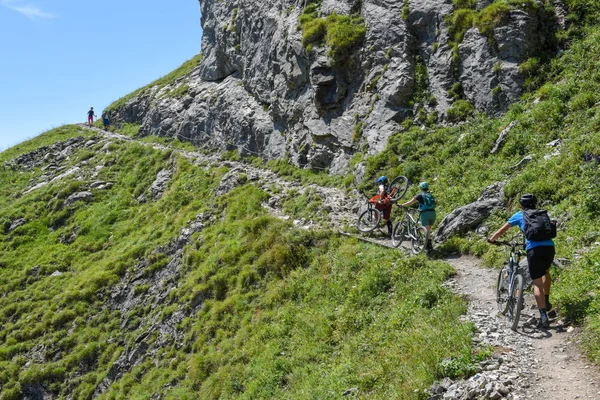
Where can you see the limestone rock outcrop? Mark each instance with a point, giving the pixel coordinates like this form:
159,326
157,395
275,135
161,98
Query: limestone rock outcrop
468,217
260,91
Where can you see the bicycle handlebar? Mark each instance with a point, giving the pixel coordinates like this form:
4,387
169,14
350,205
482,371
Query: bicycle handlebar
499,243
503,243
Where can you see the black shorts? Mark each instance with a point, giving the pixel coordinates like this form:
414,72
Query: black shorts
540,259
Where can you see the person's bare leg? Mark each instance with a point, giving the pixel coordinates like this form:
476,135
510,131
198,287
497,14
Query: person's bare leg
547,282
428,230
538,293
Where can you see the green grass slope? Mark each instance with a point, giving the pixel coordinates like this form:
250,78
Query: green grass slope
256,308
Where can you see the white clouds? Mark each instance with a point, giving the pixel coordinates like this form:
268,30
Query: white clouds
28,10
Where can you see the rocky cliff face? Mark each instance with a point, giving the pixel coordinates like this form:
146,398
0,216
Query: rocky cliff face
260,91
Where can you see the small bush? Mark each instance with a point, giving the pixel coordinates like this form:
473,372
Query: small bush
340,32
140,289
460,21
490,17
466,16
460,111
12,393
314,31
456,91
530,66
179,92
496,91
457,368
63,318
357,132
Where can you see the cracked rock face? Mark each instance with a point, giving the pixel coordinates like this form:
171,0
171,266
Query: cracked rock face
258,91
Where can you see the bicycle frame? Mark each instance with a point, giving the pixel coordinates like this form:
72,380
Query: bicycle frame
411,225
513,263
408,228
509,289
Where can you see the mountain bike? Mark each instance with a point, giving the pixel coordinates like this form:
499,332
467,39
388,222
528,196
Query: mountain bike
369,219
409,228
510,284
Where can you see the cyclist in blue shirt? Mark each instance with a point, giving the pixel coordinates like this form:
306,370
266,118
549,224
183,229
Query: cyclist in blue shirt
540,255
427,208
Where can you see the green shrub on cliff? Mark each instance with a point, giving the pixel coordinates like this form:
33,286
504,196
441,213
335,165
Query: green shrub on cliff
465,16
339,32
460,111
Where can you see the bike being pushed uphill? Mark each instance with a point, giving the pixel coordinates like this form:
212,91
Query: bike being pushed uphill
409,228
369,219
513,279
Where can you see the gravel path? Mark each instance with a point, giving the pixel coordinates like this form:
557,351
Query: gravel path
529,363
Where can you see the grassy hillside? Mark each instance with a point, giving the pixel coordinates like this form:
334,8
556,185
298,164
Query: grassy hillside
103,296
98,297
563,104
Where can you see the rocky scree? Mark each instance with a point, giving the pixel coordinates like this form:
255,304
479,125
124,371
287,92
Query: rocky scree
148,284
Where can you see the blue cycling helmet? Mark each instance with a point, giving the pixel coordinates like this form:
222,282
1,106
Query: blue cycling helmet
424,185
382,179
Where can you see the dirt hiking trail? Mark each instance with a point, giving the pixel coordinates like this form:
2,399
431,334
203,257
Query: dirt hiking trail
553,366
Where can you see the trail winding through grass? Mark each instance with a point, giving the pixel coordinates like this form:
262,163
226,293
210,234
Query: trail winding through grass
546,364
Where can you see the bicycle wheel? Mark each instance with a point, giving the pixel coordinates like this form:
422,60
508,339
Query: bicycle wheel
368,220
515,302
419,242
398,188
399,232
502,290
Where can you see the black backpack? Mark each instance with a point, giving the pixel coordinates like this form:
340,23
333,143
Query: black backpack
538,225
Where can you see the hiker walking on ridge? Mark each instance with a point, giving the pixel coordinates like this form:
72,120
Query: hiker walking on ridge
384,204
105,120
539,231
427,208
91,116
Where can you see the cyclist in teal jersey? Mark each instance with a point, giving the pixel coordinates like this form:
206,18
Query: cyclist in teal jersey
427,208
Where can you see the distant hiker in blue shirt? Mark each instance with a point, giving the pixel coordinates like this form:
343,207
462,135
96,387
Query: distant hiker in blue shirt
427,208
105,120
540,254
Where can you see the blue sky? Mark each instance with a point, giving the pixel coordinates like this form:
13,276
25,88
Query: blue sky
58,58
